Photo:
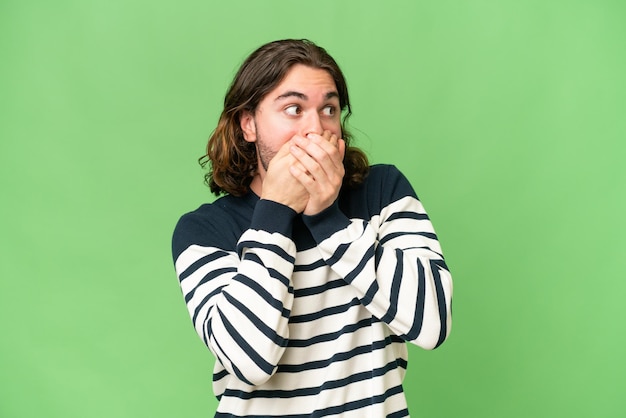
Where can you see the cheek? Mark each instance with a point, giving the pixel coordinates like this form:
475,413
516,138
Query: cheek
284,134
276,133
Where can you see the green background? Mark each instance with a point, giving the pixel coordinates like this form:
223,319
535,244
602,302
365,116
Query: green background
507,116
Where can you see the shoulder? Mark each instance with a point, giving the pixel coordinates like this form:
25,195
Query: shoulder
383,185
387,183
218,224
382,171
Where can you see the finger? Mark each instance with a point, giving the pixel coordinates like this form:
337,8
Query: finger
305,162
321,150
341,146
315,146
327,136
333,140
285,152
282,151
297,164
306,180
330,137
318,163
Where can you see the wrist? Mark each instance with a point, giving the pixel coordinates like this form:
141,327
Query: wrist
271,216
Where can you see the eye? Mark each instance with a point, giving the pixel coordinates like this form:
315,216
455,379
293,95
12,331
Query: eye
329,110
293,110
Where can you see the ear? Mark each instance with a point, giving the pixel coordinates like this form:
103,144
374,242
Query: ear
248,126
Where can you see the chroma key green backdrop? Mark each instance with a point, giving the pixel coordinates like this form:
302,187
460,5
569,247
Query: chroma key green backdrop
509,118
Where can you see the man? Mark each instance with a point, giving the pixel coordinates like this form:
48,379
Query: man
309,276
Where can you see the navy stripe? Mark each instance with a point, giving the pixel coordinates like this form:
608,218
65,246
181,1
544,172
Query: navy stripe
441,301
339,252
337,357
206,327
201,262
314,290
333,310
220,375
396,339
425,247
402,363
276,249
369,254
399,414
393,235
271,271
212,275
371,292
236,370
259,361
442,264
351,406
416,328
310,267
333,410
269,332
314,390
341,249
395,288
333,335
264,294
196,311
408,215
378,256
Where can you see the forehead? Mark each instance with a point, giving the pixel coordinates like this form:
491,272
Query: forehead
307,80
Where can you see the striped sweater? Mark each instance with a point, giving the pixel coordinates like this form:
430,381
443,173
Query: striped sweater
310,315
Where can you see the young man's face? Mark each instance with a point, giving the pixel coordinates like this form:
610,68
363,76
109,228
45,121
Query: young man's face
306,101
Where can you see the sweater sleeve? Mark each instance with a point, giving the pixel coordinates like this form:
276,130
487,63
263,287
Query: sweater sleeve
393,260
239,298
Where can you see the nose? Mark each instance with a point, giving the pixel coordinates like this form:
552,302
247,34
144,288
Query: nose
312,124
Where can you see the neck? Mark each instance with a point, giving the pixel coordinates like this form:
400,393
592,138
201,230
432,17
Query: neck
257,184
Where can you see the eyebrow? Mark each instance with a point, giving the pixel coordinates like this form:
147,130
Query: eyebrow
302,96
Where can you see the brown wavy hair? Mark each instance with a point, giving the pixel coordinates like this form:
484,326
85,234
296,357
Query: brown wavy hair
234,160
